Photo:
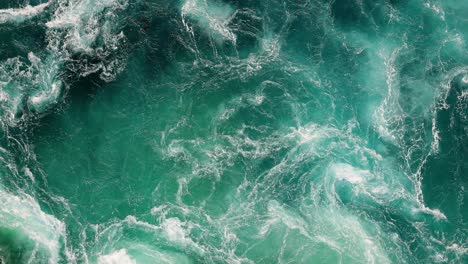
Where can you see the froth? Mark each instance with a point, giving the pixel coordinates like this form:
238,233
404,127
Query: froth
23,214
116,257
19,15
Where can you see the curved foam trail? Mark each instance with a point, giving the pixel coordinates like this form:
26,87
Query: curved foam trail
45,99
327,228
211,17
49,87
24,215
20,15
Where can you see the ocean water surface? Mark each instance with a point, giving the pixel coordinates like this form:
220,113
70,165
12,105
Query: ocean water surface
233,131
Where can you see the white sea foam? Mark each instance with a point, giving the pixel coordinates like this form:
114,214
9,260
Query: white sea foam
28,173
214,18
349,173
311,133
116,257
82,22
23,214
46,97
19,15
175,231
465,78
388,116
438,215
332,227
75,26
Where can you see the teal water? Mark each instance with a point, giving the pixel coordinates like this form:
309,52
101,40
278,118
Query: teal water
228,131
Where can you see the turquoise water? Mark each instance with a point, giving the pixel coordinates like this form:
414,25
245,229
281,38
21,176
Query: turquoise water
228,131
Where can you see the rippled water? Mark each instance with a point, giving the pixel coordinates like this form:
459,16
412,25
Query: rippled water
228,131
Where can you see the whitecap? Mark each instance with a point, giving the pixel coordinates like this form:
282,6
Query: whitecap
19,15
23,214
116,257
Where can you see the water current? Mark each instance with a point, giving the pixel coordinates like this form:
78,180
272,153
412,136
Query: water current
233,131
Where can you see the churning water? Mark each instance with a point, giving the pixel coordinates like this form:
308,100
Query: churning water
233,131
